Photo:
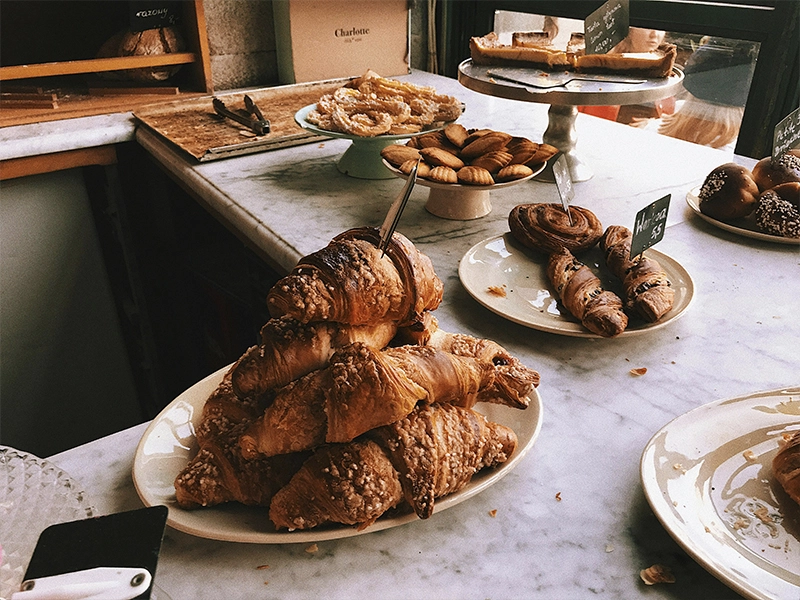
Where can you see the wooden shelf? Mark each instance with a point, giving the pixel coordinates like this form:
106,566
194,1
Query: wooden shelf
83,92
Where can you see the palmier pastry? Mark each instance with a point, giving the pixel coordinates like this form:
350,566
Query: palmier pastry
547,228
786,465
768,173
778,210
728,192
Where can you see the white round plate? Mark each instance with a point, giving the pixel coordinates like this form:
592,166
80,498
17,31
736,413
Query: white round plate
744,227
708,477
168,443
300,119
510,281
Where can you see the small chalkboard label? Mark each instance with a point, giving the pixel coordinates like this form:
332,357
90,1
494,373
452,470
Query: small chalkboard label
607,26
649,226
563,181
152,14
787,134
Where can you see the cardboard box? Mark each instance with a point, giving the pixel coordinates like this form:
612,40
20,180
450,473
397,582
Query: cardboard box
328,39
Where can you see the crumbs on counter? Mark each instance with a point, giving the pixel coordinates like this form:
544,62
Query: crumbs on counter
639,371
558,496
657,574
312,548
493,513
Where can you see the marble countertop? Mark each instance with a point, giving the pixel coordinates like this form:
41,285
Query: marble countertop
571,519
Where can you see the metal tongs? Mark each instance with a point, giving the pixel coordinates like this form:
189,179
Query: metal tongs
395,210
252,118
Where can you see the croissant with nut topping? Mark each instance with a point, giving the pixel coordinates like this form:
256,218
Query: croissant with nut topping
290,349
364,388
432,452
647,288
352,281
581,293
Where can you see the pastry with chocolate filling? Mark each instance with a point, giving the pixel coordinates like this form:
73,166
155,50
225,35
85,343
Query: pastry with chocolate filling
728,192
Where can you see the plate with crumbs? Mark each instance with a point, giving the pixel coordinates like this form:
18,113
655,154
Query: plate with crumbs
169,443
745,227
708,478
512,281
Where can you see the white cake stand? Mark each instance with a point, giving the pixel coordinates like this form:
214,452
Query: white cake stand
460,202
564,92
362,159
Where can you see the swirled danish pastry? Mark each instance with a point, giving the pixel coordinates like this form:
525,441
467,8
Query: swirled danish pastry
547,227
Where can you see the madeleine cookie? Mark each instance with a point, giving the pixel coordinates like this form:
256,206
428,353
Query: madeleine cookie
396,155
472,175
443,175
492,161
543,153
456,133
423,170
490,142
513,172
439,157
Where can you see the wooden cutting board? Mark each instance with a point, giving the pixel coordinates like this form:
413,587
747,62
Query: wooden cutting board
194,127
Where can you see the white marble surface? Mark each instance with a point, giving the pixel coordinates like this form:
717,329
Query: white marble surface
738,336
67,134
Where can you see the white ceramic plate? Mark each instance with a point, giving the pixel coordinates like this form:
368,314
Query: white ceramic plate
745,227
300,119
168,443
499,263
708,477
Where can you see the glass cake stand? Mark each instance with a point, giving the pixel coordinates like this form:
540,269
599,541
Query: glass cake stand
34,494
564,92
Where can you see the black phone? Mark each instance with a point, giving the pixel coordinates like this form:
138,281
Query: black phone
126,539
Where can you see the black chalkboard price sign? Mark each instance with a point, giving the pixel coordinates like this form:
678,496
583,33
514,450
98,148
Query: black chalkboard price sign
649,226
607,26
153,14
786,135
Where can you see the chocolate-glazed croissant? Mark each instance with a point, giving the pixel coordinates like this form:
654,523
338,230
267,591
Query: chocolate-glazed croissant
352,281
432,452
786,466
547,228
581,293
647,288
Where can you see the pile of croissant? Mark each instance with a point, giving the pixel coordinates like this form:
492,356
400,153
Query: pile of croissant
548,229
354,403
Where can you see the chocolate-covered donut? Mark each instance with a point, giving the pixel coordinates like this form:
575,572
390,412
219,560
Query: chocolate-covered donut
778,210
728,192
768,173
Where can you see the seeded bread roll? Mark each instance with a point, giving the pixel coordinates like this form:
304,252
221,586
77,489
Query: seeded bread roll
768,173
728,192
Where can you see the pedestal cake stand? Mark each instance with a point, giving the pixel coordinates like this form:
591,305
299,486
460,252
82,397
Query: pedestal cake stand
564,92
